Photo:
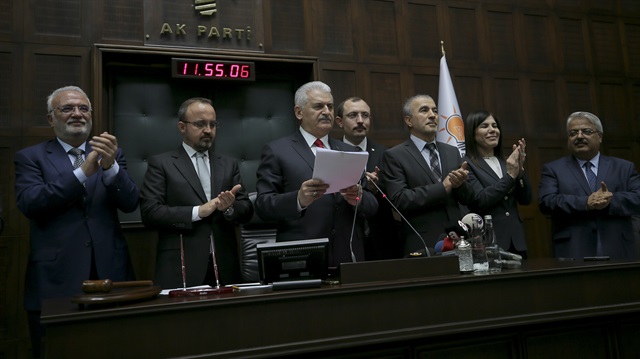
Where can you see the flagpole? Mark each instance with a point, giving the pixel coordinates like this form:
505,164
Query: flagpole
442,47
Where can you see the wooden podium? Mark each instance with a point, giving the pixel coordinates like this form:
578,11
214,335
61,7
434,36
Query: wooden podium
566,308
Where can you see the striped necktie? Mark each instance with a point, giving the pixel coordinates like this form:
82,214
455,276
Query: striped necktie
433,160
78,160
591,176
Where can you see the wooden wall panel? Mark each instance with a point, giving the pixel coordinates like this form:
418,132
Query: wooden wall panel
336,31
464,36
632,48
10,70
388,104
52,68
573,45
66,22
538,30
613,106
508,102
381,39
543,114
122,20
470,92
501,41
607,48
422,32
288,26
579,97
11,23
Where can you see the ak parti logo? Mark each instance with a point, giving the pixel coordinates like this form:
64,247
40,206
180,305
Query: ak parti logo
205,7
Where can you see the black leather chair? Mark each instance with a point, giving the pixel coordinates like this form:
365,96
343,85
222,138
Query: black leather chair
251,234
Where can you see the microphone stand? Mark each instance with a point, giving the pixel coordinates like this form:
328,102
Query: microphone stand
384,195
196,292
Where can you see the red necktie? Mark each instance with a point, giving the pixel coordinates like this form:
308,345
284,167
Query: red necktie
318,143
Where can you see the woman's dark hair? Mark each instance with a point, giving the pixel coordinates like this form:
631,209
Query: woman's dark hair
471,123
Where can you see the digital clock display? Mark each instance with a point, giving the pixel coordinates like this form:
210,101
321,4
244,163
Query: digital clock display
213,69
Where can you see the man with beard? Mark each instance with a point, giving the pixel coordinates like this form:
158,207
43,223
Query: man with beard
193,196
353,116
425,179
70,188
288,195
590,197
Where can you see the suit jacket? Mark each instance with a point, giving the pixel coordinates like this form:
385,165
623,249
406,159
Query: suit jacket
285,164
170,190
563,194
415,190
383,235
67,219
500,197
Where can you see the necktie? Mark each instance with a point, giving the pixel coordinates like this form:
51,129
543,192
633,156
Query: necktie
203,174
358,149
318,143
79,160
591,176
433,160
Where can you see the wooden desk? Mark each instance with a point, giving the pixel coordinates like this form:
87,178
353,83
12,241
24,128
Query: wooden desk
572,308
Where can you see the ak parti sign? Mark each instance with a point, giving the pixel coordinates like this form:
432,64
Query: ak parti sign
216,24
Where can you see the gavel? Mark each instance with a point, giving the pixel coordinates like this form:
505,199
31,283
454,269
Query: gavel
105,285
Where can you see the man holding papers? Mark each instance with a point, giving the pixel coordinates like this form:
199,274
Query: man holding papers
304,207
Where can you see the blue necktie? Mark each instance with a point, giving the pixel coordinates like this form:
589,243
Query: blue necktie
78,160
591,176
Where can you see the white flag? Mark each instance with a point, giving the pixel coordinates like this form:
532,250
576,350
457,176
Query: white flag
451,126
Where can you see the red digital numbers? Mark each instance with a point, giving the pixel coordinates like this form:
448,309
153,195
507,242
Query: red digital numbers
224,70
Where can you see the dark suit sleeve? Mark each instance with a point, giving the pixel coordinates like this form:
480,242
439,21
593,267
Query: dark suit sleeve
487,192
553,201
272,202
154,210
37,197
123,189
626,196
243,209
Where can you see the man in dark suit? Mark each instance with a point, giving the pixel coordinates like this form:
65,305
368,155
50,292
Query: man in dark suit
591,198
353,116
179,199
288,195
75,231
424,184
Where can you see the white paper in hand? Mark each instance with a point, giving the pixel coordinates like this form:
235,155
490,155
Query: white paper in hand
339,169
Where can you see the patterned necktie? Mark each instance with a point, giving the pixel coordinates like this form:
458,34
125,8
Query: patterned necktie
318,143
203,174
433,160
591,176
79,160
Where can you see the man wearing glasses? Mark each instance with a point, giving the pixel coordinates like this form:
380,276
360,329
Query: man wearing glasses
589,196
193,196
70,188
382,232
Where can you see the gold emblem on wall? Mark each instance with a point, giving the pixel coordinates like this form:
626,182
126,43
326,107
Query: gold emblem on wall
205,7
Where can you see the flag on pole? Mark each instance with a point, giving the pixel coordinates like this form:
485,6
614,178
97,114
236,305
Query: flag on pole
451,126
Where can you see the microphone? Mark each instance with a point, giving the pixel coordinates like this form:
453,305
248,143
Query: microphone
353,224
384,195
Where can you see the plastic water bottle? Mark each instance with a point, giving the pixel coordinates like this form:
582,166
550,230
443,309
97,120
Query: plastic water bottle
491,245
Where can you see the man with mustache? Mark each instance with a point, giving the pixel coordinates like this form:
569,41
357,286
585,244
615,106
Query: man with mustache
70,188
289,196
590,197
353,116
192,195
425,179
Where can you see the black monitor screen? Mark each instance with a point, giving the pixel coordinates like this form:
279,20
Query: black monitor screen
293,260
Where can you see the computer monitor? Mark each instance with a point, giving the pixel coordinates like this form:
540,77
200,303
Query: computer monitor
293,260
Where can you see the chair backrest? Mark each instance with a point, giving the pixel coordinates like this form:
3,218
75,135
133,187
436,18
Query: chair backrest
253,233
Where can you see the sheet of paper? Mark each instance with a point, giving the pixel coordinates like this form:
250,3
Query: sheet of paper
339,169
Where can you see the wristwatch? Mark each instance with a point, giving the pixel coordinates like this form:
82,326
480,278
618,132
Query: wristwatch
228,211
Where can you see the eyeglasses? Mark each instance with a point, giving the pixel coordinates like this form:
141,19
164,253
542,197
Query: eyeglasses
66,109
585,132
202,124
354,115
